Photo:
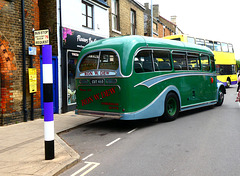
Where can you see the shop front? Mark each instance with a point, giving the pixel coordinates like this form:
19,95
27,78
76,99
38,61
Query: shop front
73,42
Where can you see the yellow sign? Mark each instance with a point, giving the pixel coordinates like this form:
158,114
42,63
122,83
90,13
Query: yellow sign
32,72
41,37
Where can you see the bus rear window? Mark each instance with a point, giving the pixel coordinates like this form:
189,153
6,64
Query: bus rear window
108,60
100,60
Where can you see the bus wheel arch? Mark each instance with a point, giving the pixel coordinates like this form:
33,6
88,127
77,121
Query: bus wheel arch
171,106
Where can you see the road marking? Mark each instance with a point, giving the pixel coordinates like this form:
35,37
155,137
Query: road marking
87,156
132,131
93,166
113,142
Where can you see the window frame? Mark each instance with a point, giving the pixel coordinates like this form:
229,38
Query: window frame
169,57
99,60
209,64
180,53
194,55
115,13
133,22
87,16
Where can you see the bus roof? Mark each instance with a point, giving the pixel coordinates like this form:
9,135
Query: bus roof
126,47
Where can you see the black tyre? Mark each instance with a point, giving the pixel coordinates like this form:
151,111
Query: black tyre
220,97
171,108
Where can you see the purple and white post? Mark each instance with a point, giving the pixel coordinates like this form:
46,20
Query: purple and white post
48,101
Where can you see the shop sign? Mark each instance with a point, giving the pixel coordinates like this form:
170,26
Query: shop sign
77,40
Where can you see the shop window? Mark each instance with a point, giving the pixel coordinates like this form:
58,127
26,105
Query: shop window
71,67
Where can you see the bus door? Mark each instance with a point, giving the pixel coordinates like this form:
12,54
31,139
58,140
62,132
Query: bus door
209,81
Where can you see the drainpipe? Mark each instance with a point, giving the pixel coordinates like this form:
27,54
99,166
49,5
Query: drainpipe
60,53
24,63
151,18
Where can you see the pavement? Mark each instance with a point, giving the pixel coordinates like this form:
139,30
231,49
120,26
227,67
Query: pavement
22,151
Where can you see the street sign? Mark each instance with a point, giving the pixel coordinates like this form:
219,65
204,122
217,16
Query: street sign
41,37
32,51
32,80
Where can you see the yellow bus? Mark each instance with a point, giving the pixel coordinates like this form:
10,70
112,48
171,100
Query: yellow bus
225,61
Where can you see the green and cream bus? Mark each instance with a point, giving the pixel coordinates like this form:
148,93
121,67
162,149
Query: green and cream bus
136,77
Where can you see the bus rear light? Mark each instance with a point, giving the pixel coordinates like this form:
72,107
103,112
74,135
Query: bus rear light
111,81
123,110
83,81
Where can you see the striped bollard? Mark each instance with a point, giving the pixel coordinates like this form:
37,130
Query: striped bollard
48,101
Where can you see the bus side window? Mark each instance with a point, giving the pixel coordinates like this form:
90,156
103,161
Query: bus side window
209,44
217,46
205,63
212,64
191,40
143,59
225,47
230,46
161,60
193,61
200,42
179,61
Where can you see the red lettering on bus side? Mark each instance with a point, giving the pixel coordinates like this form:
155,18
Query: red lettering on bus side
88,73
111,107
102,73
96,96
87,101
112,90
90,100
103,94
83,102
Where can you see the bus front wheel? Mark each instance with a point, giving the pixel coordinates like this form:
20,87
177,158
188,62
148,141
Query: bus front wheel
220,97
228,82
171,108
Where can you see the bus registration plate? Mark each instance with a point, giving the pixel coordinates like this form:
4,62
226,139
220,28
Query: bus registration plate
97,81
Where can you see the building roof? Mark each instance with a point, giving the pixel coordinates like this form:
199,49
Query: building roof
138,4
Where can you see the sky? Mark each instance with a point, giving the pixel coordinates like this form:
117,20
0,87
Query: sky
210,19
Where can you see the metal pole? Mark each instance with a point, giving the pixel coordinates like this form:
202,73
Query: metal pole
48,101
24,63
151,18
32,109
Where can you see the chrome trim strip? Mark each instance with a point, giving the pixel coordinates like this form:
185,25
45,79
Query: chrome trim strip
155,80
98,113
198,105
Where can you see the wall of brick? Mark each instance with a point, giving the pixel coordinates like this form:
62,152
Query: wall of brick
48,18
11,106
164,27
125,7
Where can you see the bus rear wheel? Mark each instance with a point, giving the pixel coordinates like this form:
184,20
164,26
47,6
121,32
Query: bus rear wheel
171,109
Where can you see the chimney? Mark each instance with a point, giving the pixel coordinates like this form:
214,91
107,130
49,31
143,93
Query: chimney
174,19
146,5
156,11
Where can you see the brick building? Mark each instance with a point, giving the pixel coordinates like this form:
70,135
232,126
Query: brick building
161,26
126,17
15,107
71,28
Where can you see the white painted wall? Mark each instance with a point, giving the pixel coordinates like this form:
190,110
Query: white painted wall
72,17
